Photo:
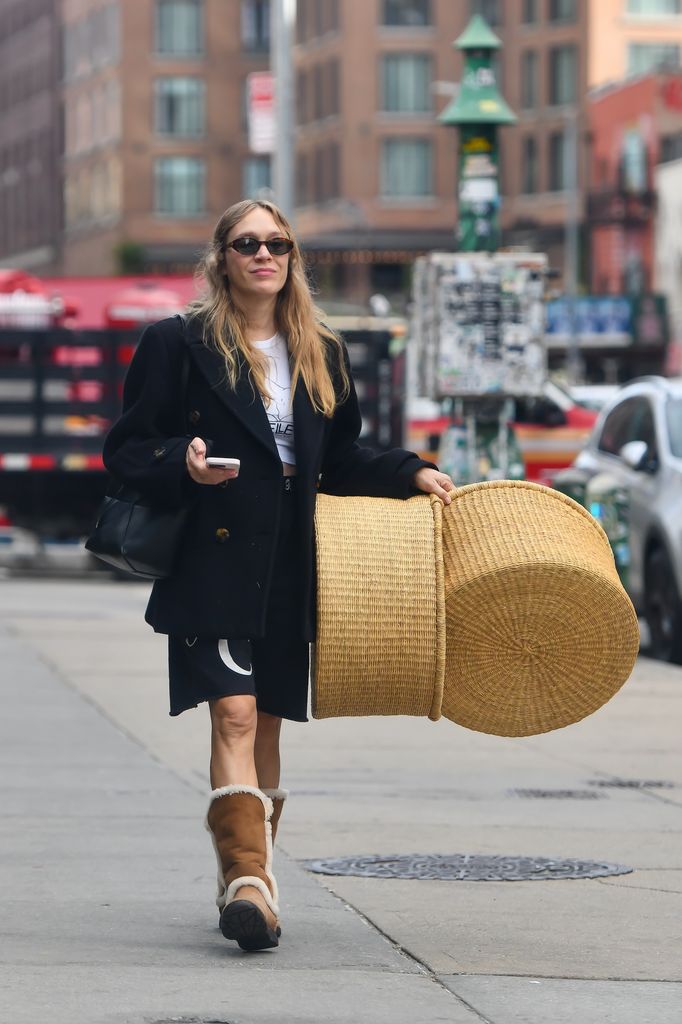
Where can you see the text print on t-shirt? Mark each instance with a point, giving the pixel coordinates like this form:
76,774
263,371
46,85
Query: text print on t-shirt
278,382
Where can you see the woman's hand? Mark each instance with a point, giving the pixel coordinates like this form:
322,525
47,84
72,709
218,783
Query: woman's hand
432,481
195,458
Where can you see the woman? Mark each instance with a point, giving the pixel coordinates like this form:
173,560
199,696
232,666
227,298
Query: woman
268,384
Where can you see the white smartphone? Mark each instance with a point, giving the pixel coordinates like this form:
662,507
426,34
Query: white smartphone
219,463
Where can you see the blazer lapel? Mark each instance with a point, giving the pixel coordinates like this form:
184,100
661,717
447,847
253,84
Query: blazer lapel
249,408
308,429
243,401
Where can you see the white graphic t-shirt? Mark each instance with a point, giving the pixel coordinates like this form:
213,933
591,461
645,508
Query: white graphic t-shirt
279,386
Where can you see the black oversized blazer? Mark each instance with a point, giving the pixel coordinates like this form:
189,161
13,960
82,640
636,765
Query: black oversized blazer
222,580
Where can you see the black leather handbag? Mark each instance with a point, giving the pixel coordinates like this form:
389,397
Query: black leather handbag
134,536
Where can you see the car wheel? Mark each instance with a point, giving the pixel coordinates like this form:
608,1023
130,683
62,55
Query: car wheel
663,609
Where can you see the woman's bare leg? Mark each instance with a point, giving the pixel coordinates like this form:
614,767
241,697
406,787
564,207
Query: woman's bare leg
233,739
266,751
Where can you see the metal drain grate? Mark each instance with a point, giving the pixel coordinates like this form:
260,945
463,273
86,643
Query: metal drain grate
556,794
631,784
465,867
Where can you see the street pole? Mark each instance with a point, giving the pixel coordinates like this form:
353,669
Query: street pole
571,246
478,110
283,17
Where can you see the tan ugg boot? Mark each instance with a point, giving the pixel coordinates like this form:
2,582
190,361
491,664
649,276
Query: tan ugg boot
238,819
278,796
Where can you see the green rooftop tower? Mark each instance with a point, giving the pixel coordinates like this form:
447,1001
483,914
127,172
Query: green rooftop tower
478,110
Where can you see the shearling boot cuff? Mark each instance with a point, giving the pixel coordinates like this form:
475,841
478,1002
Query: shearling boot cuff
231,790
277,794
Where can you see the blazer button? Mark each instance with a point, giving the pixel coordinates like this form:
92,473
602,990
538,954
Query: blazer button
194,416
222,534
158,452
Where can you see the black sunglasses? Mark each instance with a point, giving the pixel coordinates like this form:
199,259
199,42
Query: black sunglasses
248,246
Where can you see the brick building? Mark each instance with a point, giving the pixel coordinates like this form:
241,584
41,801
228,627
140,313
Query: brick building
155,135
155,139
30,134
375,172
555,53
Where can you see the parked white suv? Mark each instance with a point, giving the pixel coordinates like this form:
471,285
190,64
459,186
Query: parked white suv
638,441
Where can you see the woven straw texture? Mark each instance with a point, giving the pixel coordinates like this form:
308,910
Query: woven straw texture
380,646
540,632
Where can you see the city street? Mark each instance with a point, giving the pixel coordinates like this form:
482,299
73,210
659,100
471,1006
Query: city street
109,876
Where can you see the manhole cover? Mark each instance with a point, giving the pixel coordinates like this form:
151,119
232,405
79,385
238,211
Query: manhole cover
557,794
631,783
474,867
189,1020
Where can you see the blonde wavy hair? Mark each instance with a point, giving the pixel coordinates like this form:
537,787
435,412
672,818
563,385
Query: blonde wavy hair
297,318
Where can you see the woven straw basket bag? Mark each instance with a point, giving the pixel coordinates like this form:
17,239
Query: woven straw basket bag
502,611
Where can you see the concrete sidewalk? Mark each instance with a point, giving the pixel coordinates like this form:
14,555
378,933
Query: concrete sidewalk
110,875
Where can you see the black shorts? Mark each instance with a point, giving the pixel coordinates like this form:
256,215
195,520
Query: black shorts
273,669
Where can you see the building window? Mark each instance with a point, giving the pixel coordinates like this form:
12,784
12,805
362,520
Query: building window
334,163
406,83
671,148
302,180
179,185
644,57
406,168
257,177
333,90
529,13
654,8
318,93
179,106
318,175
325,170
113,32
488,9
411,13
562,10
326,16
112,114
529,80
562,75
256,25
179,27
301,21
529,169
302,116
557,162
315,18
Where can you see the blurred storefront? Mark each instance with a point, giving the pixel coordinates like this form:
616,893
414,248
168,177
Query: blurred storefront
618,337
631,125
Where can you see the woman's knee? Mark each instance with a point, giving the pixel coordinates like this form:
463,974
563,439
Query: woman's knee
233,717
269,726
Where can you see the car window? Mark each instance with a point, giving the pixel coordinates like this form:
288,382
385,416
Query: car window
642,427
673,413
632,420
540,410
616,427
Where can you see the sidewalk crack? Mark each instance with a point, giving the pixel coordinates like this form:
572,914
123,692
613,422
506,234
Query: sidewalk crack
638,888
424,967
